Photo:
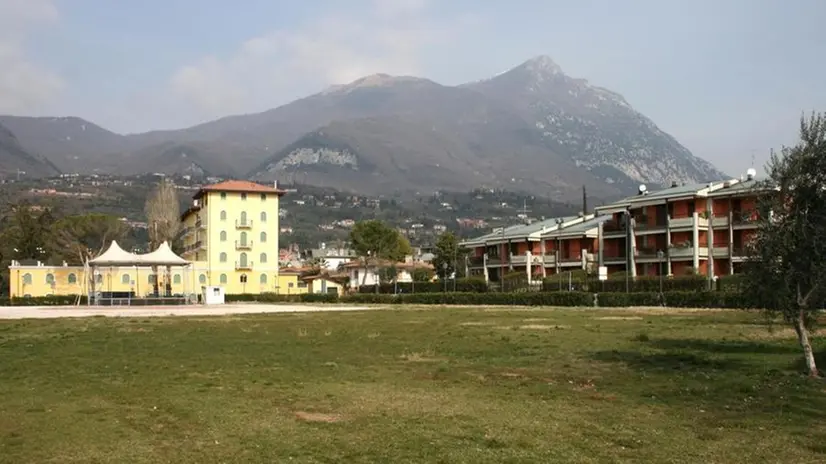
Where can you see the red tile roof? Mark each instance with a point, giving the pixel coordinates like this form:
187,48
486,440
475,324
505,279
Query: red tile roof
244,186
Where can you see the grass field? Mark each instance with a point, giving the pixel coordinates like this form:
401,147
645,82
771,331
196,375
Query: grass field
398,386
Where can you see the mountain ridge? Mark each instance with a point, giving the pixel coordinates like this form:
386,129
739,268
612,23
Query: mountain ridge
532,127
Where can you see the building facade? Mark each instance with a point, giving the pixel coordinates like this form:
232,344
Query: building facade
231,234
685,229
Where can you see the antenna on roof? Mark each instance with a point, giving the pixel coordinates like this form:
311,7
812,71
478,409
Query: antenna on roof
584,201
752,158
524,211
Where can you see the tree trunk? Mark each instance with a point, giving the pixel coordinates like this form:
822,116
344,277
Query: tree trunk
803,338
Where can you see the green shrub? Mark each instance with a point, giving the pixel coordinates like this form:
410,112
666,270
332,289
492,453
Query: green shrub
622,300
51,300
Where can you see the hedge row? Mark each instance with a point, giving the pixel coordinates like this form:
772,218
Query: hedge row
686,299
461,285
52,300
638,285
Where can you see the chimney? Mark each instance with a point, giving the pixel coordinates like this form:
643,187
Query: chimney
674,184
275,184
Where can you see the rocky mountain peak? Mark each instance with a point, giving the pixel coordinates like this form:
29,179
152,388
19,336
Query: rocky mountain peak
541,65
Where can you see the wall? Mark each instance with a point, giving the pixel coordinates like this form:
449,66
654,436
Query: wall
110,280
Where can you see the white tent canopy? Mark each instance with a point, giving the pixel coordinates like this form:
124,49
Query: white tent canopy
117,256
163,256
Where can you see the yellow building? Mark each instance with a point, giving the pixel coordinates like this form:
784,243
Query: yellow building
230,238
230,234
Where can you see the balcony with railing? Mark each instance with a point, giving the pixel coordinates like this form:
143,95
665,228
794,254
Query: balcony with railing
243,224
243,244
744,219
476,261
613,229
243,265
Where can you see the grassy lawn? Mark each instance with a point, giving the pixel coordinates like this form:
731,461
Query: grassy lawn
397,386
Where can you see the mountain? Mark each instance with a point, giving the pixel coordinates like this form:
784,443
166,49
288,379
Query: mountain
594,127
532,128
72,144
14,158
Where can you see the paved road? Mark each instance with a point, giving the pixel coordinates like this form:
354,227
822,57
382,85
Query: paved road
48,312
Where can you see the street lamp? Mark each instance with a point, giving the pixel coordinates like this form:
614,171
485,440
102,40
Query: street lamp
660,256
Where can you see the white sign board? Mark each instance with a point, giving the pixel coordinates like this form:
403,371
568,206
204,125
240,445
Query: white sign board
603,273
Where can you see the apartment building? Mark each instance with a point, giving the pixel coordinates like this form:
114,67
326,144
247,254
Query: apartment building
684,229
537,249
681,230
231,235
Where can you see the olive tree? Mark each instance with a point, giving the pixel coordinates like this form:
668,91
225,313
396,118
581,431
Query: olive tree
786,272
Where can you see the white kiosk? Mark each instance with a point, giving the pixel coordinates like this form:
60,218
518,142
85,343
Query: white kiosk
212,295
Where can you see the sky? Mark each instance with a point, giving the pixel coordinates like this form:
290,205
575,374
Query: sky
729,79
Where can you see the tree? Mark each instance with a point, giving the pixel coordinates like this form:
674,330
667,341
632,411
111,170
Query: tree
163,214
83,237
448,257
374,242
421,274
787,265
162,219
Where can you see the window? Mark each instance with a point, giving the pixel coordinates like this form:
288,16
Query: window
73,278
291,285
50,279
27,279
263,197
177,279
153,279
243,240
202,279
243,260
263,216
223,195
125,279
223,279
263,279
263,258
223,236
222,257
244,196
302,284
243,218
263,237
243,278
223,215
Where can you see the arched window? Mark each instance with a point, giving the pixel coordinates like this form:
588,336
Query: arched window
243,218
243,240
243,196
263,258
223,215
202,279
177,279
263,216
243,278
223,195
263,197
27,279
263,237
223,236
223,279
50,278
73,278
263,279
243,260
125,279
222,257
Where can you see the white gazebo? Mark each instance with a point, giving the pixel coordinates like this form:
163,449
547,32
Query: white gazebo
115,256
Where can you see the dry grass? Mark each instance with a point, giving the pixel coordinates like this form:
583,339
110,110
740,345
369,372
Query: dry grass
439,385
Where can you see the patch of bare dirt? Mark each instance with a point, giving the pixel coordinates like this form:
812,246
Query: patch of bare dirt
474,324
619,318
317,417
427,356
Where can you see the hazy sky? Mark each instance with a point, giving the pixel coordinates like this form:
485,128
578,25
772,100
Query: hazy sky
727,78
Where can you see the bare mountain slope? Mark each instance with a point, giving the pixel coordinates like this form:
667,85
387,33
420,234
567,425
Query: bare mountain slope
14,158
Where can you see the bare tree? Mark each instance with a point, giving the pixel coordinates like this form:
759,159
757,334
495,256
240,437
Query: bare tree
162,218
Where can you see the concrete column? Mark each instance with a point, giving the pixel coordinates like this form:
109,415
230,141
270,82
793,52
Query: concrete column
710,242
485,267
667,242
730,239
600,245
557,255
528,266
631,244
695,230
